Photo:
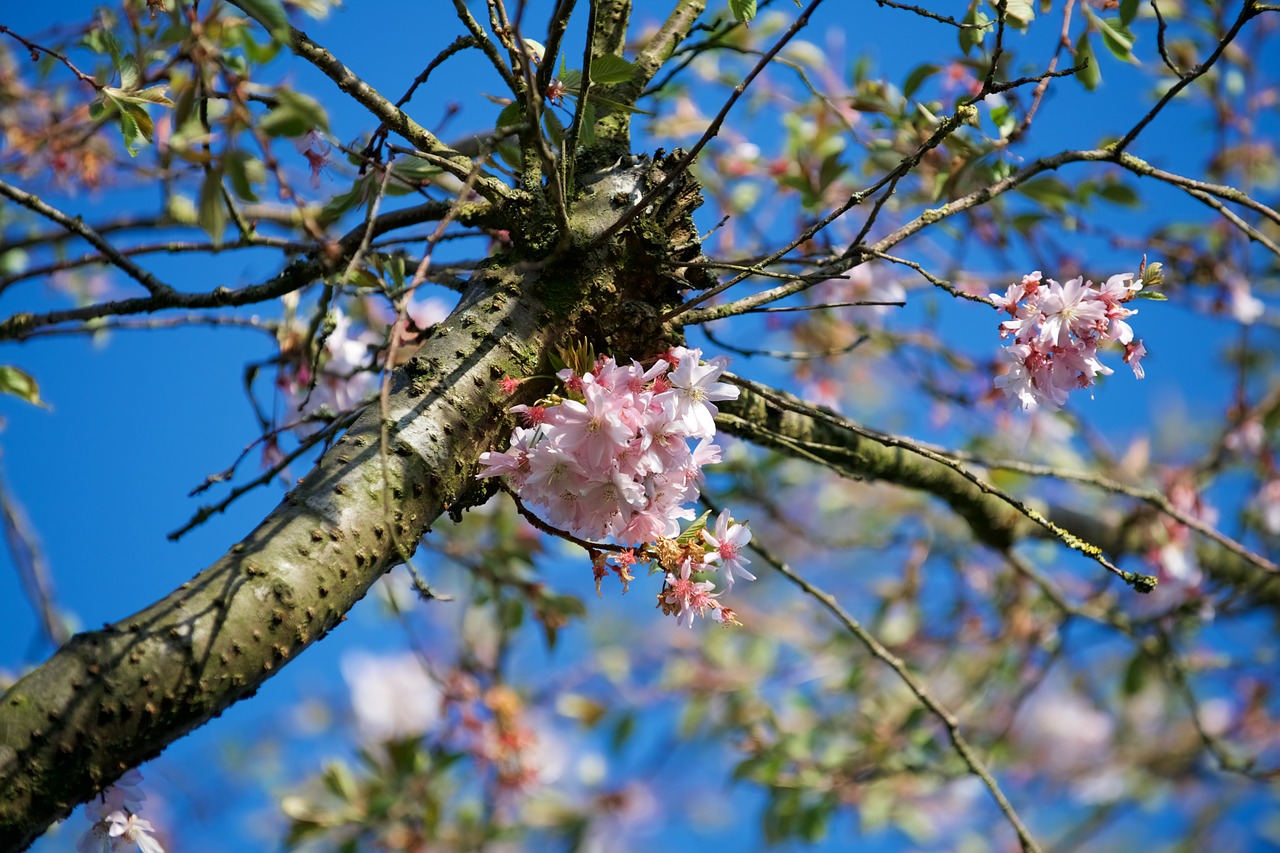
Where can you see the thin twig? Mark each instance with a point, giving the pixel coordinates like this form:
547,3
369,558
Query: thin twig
961,744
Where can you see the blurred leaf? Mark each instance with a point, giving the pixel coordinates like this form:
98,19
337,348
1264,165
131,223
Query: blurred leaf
1118,193
1090,75
19,383
213,215
972,35
269,13
511,613
1115,35
1052,193
555,128
511,116
1128,11
294,115
338,779
917,76
243,170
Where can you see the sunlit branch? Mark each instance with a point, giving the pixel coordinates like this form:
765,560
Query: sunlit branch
36,49
713,128
868,453
204,513
939,283
459,44
584,93
75,225
171,248
1154,498
934,16
948,126
112,325
918,689
975,199
1249,10
1037,94
391,115
487,46
297,274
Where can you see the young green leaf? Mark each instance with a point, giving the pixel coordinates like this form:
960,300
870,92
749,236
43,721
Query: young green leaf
975,28
917,77
293,115
243,171
1115,35
1089,74
743,10
213,216
271,14
19,383
609,69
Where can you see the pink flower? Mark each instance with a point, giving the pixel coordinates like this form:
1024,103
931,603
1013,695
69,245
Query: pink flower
726,548
693,598
1057,330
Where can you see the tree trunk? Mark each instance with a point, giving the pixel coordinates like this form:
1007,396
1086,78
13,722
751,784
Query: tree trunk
111,699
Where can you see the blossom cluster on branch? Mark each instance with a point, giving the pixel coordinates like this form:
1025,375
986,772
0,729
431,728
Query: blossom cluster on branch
612,457
1057,330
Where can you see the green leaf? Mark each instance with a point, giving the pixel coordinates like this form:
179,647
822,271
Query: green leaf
243,171
609,69
917,77
271,14
511,116
743,10
409,174
1004,119
1118,193
690,533
1019,13
1128,11
1090,75
19,383
613,106
294,115
1050,192
587,133
134,120
555,128
975,31
213,216
150,95
1115,35
572,79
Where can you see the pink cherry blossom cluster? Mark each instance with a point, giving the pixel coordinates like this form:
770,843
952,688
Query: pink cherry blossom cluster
613,457
1057,330
116,825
